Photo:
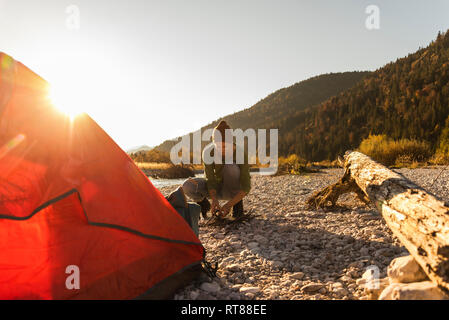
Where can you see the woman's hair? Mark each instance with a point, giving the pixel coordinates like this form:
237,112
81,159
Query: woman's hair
221,129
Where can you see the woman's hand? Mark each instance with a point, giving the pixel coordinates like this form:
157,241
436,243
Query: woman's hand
215,206
225,209
228,206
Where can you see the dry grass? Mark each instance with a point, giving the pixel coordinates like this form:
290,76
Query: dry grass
398,153
327,164
153,165
293,165
163,166
440,159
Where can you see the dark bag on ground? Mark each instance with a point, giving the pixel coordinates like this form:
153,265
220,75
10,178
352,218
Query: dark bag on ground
188,210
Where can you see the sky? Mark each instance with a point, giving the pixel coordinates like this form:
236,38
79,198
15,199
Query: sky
148,71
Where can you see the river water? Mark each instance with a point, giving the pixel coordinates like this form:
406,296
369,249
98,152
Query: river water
159,183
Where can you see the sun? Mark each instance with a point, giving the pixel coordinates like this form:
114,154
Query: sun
66,100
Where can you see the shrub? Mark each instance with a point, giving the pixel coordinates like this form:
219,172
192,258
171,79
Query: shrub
292,164
442,153
169,172
395,152
152,155
176,172
440,158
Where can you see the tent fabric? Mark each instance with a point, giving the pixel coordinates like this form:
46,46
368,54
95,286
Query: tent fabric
69,196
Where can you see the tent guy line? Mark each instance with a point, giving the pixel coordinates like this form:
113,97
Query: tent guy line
98,224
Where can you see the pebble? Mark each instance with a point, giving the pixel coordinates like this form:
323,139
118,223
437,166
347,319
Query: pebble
194,295
233,267
211,287
249,289
340,291
312,287
261,239
253,245
297,275
292,252
235,296
249,295
228,259
364,251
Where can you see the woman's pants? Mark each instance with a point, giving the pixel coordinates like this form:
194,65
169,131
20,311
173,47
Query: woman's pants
196,188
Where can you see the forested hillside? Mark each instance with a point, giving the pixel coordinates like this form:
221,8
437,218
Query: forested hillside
408,98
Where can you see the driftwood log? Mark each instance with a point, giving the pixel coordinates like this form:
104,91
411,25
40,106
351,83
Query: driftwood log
418,219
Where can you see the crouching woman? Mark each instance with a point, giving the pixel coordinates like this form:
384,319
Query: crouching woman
223,180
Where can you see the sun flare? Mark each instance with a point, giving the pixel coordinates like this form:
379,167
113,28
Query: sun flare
66,101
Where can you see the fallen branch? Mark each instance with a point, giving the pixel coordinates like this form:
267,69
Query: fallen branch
328,197
418,219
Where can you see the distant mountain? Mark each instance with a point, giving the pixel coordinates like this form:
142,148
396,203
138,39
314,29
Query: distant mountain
408,98
324,116
139,148
280,105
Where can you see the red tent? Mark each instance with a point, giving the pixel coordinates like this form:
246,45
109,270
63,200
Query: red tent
71,199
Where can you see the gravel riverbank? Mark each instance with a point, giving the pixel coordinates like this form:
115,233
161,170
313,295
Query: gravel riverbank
290,252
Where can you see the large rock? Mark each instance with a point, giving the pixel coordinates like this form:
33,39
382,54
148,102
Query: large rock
405,270
374,288
425,290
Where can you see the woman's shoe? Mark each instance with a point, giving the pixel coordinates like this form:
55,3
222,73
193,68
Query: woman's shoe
205,207
237,209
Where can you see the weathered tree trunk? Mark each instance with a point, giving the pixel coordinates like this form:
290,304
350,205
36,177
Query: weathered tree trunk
417,218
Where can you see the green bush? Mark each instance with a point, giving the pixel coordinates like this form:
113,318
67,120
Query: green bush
395,152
